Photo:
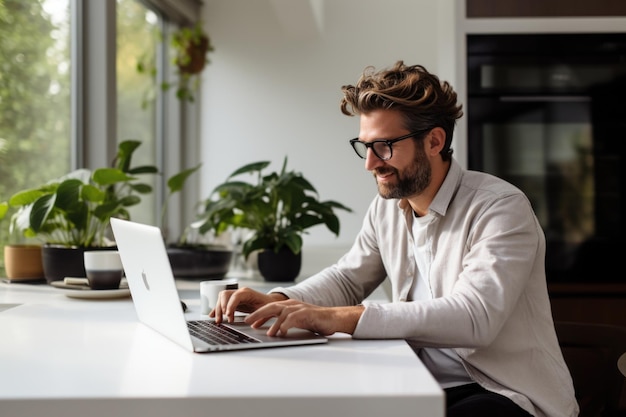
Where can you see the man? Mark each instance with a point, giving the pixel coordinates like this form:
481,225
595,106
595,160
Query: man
463,251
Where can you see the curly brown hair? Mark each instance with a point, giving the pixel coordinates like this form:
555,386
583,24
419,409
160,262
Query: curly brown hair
424,100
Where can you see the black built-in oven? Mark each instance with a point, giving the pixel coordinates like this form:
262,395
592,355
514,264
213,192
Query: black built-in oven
547,112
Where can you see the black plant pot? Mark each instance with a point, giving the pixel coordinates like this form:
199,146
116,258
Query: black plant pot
199,263
60,261
283,266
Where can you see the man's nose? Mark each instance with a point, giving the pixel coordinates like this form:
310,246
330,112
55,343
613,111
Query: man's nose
372,161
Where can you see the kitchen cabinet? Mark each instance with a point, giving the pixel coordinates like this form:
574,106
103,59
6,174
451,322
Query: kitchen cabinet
544,8
589,303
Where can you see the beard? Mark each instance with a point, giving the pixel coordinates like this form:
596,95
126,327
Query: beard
411,181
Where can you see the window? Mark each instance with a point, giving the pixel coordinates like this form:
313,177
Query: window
35,90
138,40
55,114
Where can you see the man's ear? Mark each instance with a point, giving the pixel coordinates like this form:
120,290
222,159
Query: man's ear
435,141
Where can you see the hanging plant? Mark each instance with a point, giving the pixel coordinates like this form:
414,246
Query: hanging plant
190,47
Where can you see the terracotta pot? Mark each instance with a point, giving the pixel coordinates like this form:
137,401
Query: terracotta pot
23,262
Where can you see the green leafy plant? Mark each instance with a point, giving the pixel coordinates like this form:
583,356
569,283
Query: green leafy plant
74,211
190,46
278,208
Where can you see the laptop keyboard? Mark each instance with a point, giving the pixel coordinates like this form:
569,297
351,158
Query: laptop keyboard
216,334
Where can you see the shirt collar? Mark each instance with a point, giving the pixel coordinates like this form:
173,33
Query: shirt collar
447,190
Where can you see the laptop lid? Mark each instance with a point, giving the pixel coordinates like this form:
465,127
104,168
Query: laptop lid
153,289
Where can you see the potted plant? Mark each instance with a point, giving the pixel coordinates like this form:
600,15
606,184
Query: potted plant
22,261
190,46
189,257
199,260
71,214
277,208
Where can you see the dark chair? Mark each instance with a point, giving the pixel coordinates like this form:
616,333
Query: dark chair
592,352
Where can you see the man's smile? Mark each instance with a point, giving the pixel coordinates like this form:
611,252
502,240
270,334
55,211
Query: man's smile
383,175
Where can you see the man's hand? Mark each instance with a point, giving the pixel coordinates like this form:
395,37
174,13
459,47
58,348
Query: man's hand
296,314
244,299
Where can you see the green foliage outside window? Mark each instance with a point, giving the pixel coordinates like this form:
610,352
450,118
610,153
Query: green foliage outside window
35,94
34,97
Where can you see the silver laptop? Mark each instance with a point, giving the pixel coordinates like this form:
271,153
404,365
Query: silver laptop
158,305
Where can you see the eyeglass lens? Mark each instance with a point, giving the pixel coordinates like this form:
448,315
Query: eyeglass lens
381,149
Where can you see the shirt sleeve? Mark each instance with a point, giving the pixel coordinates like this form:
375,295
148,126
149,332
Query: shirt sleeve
483,267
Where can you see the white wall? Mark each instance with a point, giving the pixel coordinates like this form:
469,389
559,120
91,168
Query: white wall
272,89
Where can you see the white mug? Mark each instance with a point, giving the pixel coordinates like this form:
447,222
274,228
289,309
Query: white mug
104,269
210,291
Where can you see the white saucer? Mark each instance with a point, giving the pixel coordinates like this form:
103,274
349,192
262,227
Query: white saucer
84,292
98,294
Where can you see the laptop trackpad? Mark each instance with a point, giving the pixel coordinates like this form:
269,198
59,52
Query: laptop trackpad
260,333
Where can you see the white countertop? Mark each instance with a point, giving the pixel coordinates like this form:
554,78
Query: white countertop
61,356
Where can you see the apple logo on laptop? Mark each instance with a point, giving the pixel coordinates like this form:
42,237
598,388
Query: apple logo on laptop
145,280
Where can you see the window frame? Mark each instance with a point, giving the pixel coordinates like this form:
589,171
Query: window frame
94,101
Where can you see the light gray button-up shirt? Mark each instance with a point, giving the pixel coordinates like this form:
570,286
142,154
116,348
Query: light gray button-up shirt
490,300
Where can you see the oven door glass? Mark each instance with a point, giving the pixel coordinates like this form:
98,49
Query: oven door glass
544,146
546,112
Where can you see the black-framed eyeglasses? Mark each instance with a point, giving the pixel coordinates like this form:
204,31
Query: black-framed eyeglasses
382,147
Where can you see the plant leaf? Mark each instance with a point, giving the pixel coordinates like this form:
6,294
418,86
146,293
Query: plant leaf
79,215
128,147
41,210
141,188
106,210
68,194
252,244
337,205
125,150
130,200
24,198
304,183
91,193
306,220
145,169
332,223
293,242
109,176
255,166
176,182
